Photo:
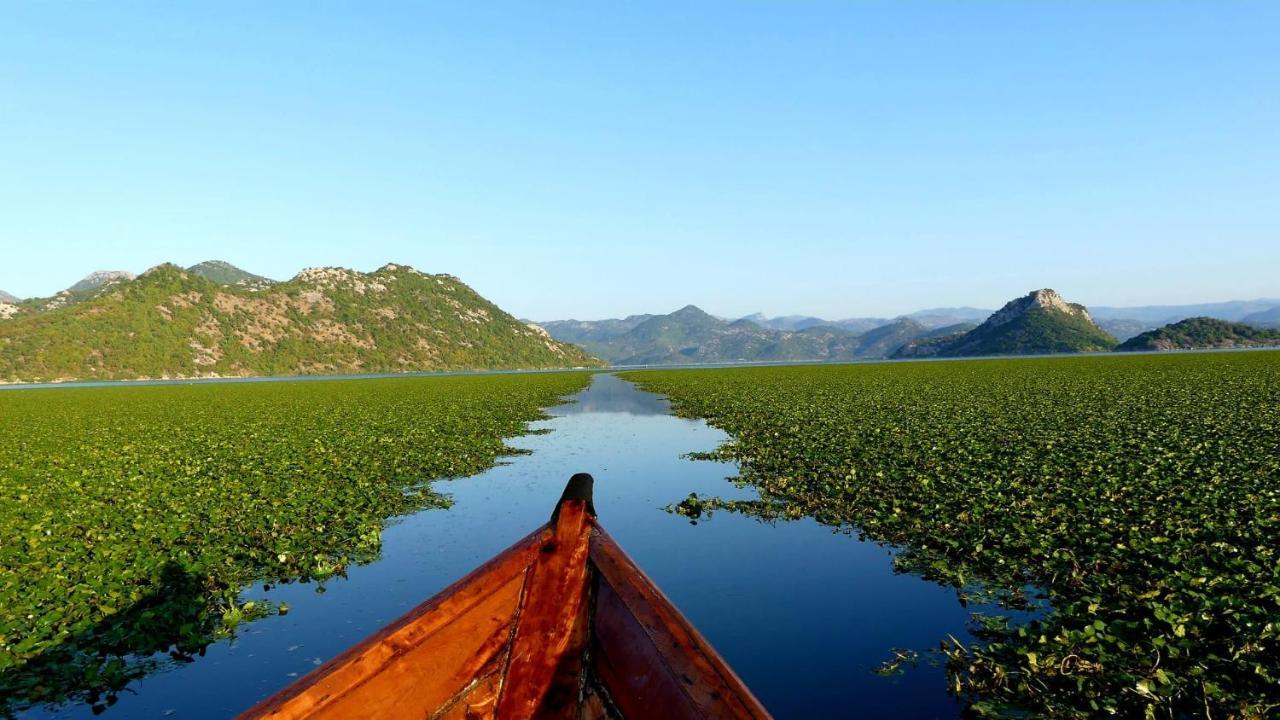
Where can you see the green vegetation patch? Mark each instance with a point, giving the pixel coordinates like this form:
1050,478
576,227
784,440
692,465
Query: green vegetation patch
1141,495
1202,332
130,517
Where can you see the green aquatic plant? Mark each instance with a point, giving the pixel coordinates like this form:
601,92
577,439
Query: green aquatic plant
131,517
1140,495
897,664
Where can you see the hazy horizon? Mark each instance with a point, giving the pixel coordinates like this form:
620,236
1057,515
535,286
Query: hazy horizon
592,161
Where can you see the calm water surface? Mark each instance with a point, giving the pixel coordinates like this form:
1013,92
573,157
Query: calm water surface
801,613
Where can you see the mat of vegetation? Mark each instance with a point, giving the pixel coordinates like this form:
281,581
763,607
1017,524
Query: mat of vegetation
131,517
1141,495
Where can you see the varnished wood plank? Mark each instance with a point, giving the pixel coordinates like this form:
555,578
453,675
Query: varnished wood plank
386,647
636,675
550,617
712,688
426,677
563,698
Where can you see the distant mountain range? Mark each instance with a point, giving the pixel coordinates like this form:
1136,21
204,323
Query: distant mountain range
794,323
690,335
1156,315
1123,329
933,317
1265,318
1041,322
605,337
215,320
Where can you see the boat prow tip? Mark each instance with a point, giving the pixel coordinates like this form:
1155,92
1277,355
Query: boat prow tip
580,487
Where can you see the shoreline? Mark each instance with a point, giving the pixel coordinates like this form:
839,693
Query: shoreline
215,380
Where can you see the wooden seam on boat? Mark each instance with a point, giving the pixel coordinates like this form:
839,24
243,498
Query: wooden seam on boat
596,703
567,696
348,671
706,681
550,615
487,683
478,703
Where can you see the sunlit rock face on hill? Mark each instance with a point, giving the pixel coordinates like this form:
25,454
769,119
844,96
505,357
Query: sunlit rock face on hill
1045,299
171,323
95,280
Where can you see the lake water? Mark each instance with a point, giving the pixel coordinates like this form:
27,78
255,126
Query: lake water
801,613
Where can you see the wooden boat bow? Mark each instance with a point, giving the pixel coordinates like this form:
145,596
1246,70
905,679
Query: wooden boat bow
561,625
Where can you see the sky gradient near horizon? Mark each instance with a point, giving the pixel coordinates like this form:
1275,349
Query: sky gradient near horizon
585,159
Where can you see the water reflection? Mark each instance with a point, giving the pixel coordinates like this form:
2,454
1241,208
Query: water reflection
803,614
607,394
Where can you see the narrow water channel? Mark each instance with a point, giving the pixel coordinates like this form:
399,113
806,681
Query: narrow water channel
801,613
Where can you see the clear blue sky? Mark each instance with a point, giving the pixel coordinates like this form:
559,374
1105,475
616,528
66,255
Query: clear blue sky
590,159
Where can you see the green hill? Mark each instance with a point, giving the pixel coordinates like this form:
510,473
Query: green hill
1040,323
932,344
224,273
1202,333
888,340
171,323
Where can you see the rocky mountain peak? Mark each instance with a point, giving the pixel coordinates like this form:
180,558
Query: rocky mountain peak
1049,298
1043,299
95,280
214,264
393,268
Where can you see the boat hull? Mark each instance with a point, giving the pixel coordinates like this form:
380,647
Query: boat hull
563,624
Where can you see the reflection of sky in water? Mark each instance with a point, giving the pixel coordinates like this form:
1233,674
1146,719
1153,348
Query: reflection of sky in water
801,613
